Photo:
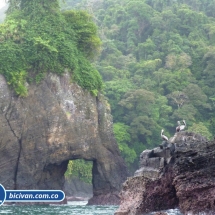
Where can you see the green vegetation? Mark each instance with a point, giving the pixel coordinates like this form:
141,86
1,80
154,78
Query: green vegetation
157,60
81,169
158,65
123,139
37,38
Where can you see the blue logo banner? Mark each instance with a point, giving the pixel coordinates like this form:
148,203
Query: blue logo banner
34,195
2,194
30,195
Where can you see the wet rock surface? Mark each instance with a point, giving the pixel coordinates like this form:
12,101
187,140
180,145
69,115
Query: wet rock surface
160,213
178,174
74,188
57,122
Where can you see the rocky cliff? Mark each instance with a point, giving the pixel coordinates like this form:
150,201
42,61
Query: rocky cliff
57,122
179,174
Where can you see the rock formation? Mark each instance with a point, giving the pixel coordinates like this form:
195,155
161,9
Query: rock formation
57,122
75,188
180,175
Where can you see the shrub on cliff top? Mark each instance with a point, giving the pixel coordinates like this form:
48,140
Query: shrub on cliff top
37,38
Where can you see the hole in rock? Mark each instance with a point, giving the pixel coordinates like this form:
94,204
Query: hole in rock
78,180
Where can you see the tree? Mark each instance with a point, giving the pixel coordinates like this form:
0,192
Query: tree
137,109
13,5
196,96
209,60
145,49
187,112
200,128
178,98
158,49
37,38
81,169
123,139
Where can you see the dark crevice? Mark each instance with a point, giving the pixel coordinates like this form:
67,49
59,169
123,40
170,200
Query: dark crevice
19,141
98,111
17,163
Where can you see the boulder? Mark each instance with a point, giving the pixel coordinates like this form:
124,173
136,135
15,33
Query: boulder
184,178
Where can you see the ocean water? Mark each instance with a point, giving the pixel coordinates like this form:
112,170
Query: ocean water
72,208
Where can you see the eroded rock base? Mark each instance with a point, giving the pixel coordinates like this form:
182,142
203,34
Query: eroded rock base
181,174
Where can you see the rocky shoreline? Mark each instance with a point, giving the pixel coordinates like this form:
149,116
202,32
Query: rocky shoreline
180,175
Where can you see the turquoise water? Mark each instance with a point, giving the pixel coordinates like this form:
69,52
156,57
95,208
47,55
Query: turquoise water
72,208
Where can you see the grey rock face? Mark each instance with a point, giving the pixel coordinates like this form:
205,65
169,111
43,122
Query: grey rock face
73,187
57,122
179,173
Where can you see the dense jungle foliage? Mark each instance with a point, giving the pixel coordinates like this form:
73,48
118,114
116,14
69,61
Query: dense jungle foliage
158,65
81,169
157,60
37,38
